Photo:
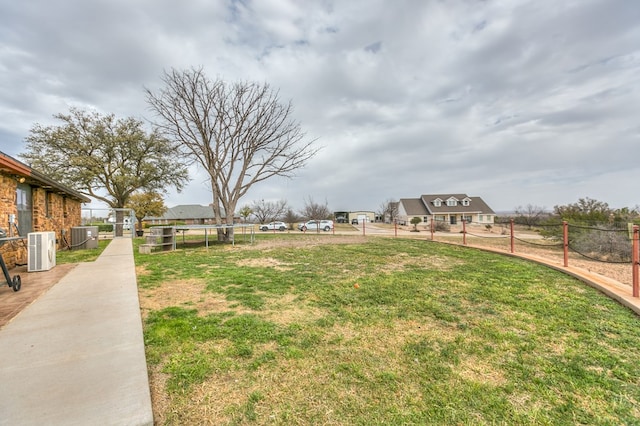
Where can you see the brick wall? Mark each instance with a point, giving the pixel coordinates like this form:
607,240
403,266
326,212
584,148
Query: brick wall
51,212
10,251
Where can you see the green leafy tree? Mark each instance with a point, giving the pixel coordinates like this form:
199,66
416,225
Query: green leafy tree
627,215
586,210
245,212
415,221
146,204
103,157
240,134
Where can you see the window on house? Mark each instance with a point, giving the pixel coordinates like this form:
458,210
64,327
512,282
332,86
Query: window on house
47,204
465,202
452,203
23,207
437,203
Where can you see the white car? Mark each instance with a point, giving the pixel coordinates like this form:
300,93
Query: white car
314,225
273,226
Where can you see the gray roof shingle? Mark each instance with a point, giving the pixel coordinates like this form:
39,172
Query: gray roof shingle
186,211
414,206
476,204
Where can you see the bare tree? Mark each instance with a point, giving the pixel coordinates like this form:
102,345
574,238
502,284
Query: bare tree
240,133
315,211
529,215
267,211
388,211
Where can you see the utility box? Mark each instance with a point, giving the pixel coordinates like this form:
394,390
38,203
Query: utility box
84,237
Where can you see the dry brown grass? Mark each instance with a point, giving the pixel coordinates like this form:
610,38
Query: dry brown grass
184,293
265,262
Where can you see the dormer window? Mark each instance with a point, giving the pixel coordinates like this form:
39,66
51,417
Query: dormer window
452,202
465,202
437,203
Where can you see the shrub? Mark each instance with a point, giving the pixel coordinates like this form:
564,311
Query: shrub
442,226
103,227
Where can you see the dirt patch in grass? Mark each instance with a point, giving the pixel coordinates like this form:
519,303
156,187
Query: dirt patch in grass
289,309
293,388
141,270
207,403
171,293
476,370
401,260
265,262
185,293
307,241
160,399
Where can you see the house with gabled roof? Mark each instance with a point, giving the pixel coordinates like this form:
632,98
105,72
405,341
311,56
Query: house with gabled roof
190,214
448,208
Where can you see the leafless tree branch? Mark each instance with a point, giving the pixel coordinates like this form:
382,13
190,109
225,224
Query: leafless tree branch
240,133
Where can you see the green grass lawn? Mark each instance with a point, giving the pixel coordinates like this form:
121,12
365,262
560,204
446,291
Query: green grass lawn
380,331
84,255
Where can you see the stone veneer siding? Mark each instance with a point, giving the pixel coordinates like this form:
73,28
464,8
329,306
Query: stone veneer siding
63,214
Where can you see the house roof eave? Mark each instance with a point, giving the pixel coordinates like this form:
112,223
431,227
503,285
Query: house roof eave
35,178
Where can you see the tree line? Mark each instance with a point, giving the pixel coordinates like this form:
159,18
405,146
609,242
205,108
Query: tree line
586,211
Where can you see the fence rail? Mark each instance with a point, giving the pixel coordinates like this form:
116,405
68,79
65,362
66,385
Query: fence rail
614,246
596,243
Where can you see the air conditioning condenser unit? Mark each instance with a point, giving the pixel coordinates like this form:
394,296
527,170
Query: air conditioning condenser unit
84,237
41,251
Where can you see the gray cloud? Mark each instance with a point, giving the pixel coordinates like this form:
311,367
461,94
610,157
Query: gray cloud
527,102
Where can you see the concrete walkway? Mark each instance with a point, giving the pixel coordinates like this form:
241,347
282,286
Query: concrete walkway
76,355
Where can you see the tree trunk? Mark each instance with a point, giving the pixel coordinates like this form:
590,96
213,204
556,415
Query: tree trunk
140,231
119,223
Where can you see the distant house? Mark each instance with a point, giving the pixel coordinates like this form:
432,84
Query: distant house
32,202
189,214
361,216
449,208
355,216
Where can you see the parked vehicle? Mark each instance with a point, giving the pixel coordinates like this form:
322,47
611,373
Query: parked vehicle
314,225
273,226
354,221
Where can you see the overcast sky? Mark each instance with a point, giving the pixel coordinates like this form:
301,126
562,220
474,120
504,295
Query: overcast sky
518,102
